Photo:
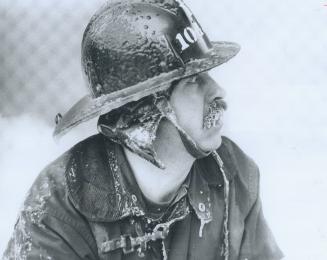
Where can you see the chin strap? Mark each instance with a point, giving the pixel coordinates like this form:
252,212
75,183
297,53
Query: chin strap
189,144
225,246
191,147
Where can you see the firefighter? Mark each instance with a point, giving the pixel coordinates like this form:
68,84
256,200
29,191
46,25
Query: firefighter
159,181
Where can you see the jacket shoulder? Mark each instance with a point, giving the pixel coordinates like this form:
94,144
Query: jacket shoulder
91,177
50,189
50,193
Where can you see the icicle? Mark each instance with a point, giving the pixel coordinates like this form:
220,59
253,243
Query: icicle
164,251
140,253
225,247
203,222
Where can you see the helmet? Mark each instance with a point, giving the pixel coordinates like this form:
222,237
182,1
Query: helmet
135,48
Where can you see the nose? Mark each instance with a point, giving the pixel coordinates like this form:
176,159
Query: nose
214,90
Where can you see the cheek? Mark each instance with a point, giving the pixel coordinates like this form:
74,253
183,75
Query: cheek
192,122
189,113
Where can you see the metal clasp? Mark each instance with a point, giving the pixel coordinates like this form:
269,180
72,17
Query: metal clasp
127,243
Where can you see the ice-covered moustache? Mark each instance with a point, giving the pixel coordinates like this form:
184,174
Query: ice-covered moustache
215,113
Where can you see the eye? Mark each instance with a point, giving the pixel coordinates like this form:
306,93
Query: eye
192,80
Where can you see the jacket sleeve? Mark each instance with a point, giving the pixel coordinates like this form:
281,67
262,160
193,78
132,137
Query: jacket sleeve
258,242
52,238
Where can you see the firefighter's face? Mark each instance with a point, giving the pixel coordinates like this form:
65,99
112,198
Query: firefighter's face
199,106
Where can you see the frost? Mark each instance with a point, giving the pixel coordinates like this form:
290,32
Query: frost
113,164
21,242
226,246
164,251
36,209
134,211
126,203
141,135
214,114
203,222
72,172
135,126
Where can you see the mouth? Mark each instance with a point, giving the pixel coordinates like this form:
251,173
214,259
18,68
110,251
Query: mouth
214,116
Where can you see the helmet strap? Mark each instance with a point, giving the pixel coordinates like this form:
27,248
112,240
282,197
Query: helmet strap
191,146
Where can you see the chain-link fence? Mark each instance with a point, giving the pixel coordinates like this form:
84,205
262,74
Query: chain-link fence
40,55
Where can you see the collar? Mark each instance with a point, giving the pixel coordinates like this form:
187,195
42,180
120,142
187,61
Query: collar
99,190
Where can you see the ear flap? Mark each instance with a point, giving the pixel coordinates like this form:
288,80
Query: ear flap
134,126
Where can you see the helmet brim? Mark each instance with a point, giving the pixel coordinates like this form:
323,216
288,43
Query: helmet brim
89,107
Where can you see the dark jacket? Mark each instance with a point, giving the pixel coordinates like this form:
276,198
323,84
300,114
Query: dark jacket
87,205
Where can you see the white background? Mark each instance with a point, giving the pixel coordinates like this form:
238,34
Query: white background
276,91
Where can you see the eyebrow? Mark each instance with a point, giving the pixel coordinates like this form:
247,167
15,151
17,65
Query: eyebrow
199,76
191,79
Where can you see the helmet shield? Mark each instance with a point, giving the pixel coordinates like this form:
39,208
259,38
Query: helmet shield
135,126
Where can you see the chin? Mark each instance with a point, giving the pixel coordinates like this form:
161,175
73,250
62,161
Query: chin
211,144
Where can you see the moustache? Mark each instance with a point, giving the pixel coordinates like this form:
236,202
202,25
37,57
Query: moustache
215,112
218,103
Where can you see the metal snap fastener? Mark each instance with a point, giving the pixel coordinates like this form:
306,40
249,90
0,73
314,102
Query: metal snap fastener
58,118
134,198
202,207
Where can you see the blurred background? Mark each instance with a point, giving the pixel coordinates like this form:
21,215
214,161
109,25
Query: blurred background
276,90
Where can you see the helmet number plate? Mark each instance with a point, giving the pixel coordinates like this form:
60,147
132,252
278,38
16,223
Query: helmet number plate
189,36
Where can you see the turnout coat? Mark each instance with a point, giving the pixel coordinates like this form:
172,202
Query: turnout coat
87,205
